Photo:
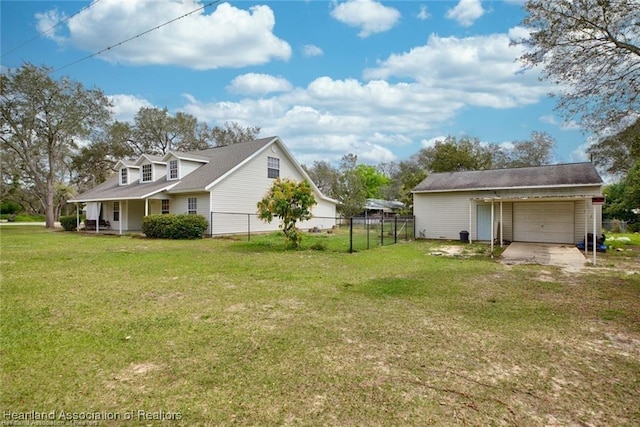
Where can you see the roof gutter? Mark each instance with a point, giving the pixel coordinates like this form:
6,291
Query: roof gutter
535,187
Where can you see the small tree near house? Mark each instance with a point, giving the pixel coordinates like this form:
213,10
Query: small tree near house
291,201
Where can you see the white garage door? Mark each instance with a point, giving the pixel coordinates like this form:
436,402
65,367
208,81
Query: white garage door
546,222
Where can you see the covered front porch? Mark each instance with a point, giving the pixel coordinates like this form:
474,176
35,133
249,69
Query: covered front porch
115,216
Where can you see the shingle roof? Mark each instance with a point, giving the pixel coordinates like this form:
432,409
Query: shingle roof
221,161
573,174
111,190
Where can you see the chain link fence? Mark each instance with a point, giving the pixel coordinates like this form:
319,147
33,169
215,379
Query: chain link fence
368,232
360,233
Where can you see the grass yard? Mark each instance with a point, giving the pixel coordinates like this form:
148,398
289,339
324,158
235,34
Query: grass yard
221,332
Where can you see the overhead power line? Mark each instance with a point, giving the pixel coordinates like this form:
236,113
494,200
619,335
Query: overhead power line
108,48
42,33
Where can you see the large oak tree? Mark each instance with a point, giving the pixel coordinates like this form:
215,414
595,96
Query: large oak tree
42,119
591,49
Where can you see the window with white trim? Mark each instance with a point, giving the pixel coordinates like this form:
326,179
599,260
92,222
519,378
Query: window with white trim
165,206
273,167
173,169
124,175
192,205
116,211
146,173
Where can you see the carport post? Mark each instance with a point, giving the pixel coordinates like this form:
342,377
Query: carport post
492,219
470,222
594,235
586,243
501,228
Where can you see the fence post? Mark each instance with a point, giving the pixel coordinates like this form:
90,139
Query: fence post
395,229
351,235
406,231
366,228
248,227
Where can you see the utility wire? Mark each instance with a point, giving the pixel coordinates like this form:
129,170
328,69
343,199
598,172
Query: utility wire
134,37
42,33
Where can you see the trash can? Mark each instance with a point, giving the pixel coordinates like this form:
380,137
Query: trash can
464,236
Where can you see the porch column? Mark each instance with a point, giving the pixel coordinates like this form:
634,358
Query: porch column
77,216
146,207
120,218
98,219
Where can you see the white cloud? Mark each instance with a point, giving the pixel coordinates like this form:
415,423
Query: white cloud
226,37
125,107
564,125
424,13
368,15
47,24
258,84
405,97
466,12
310,50
329,118
432,141
443,66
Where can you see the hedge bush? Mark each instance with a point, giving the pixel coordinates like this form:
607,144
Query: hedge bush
69,223
174,226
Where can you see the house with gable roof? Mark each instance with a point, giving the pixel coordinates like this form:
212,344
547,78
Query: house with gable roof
223,184
545,204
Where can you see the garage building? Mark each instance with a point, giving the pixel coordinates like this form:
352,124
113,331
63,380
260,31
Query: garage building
546,204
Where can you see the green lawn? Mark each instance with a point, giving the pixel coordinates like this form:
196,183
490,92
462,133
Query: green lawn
219,332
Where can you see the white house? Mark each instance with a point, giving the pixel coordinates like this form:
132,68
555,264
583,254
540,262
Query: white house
551,204
223,184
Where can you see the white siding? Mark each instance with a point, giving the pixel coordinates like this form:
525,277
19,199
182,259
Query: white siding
239,193
186,167
134,175
442,215
584,209
180,204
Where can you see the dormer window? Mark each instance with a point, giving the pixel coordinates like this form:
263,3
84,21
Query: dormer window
173,169
147,174
124,175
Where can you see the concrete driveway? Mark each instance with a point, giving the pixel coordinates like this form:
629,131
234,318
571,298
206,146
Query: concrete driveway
566,256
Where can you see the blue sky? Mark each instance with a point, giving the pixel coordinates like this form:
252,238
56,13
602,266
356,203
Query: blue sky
380,79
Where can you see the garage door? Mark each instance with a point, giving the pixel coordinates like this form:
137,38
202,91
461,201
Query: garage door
546,222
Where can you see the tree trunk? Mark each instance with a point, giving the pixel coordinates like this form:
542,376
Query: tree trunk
48,203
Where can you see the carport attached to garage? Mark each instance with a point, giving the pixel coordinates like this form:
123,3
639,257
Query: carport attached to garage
541,219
